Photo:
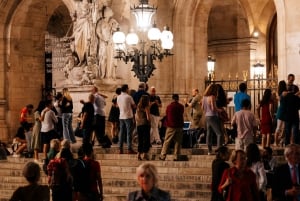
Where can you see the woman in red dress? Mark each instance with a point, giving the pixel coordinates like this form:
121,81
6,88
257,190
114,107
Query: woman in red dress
265,113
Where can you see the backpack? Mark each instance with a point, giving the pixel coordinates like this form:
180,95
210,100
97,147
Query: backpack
81,176
57,171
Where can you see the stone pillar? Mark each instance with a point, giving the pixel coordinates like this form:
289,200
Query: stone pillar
288,39
3,124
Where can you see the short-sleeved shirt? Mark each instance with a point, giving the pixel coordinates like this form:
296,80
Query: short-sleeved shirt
154,109
125,103
23,115
48,124
238,98
99,105
88,108
246,122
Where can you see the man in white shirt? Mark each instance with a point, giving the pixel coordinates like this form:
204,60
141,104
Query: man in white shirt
126,104
48,132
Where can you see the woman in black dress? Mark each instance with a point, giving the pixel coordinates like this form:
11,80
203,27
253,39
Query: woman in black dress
114,117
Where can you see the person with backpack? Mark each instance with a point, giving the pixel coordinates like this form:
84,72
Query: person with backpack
90,188
60,179
54,149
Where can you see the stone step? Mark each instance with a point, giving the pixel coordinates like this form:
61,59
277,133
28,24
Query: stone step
185,180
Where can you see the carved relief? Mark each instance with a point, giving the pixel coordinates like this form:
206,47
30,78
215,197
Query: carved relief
89,49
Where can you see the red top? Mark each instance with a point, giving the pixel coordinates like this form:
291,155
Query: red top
174,115
23,115
94,170
241,189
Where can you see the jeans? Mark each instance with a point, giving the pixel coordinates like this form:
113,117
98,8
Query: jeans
67,127
126,128
28,136
291,128
213,125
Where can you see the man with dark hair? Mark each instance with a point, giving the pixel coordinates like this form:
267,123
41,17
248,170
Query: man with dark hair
174,123
240,96
87,119
246,125
291,87
142,90
291,115
94,187
126,105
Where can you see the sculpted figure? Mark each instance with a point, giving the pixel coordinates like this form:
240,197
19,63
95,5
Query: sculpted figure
104,30
82,30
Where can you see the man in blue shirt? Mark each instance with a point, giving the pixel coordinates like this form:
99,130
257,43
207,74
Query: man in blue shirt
240,96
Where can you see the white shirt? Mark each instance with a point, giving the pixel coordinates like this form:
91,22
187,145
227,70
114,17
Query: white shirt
58,109
261,177
99,105
49,120
125,103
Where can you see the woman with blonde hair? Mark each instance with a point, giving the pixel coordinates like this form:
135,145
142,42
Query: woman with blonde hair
147,178
211,110
67,110
239,181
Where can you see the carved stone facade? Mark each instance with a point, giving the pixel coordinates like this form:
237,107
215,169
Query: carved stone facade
199,27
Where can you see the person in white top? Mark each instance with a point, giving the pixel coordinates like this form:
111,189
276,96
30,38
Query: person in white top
126,104
48,132
246,126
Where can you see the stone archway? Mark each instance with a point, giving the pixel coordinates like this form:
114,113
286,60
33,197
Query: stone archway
23,60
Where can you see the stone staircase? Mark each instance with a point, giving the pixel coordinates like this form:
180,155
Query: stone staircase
185,180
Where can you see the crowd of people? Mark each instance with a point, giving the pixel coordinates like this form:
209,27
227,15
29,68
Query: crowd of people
139,112
136,115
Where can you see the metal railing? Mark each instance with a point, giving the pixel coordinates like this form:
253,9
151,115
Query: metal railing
255,88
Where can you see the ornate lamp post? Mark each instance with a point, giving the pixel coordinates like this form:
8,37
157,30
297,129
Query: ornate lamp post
156,47
210,68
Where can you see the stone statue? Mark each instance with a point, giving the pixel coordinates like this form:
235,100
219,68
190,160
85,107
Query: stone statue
91,43
104,30
82,30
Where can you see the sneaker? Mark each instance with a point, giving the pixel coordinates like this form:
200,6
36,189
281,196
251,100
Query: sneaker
130,151
162,158
121,151
209,153
16,155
